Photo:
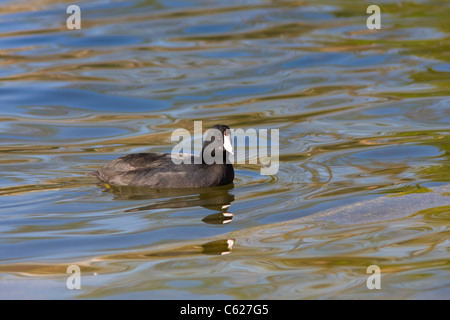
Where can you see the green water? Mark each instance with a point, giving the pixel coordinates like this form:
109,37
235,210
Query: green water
364,123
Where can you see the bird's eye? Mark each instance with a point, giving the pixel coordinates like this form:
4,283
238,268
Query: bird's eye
219,137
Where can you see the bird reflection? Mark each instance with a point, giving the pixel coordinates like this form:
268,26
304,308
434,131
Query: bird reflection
218,199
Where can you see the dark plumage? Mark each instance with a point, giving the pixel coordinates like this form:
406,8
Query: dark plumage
157,170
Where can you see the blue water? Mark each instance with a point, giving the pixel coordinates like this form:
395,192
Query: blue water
363,117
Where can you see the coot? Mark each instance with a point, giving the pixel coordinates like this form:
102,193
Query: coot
158,170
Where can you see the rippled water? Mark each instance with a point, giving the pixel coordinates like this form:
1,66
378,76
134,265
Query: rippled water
363,116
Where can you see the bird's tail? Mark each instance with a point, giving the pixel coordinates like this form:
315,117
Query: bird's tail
94,174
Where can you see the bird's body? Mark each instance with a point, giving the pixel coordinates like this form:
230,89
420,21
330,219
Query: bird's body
158,170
